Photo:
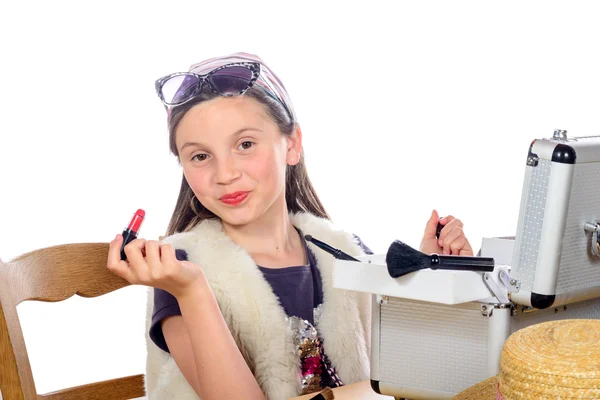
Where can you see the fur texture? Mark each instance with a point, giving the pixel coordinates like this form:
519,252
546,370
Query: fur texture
256,319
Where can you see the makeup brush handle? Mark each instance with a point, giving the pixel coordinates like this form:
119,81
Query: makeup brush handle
462,263
343,256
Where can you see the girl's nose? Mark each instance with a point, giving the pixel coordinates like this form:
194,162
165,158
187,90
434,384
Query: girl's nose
227,170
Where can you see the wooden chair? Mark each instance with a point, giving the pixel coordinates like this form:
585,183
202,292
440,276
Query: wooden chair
54,274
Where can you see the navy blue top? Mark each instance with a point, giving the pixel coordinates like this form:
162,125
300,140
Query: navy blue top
298,288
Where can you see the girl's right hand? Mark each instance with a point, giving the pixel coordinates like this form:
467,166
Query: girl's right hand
152,263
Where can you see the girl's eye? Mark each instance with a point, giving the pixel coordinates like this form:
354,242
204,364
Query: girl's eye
200,157
246,145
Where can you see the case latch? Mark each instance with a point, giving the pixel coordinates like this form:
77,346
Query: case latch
594,227
560,134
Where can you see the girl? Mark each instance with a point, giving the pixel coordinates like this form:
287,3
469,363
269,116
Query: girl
242,306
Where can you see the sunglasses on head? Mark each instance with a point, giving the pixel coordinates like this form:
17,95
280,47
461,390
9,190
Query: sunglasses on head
227,80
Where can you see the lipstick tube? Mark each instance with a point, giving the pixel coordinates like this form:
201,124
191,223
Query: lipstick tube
131,231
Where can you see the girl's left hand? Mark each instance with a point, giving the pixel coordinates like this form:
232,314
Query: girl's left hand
452,240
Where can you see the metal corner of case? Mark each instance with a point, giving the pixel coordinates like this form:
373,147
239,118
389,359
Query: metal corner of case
375,386
532,158
564,154
531,145
542,301
522,297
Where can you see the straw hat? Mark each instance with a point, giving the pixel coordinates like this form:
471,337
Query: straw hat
551,360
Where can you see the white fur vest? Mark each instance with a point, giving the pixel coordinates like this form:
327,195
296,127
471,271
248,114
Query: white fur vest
256,319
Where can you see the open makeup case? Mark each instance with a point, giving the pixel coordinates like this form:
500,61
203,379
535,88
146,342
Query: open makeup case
436,333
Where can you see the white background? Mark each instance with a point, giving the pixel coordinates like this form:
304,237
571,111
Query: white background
423,105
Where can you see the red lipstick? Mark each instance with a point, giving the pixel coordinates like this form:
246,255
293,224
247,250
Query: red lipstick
130,233
234,198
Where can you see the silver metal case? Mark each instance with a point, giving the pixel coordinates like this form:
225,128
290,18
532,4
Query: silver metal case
555,259
425,350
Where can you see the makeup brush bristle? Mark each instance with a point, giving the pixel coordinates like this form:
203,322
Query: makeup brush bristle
402,259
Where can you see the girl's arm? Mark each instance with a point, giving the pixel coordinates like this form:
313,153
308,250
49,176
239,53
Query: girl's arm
220,370
204,350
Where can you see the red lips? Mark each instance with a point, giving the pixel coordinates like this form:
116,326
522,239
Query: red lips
234,198
231,195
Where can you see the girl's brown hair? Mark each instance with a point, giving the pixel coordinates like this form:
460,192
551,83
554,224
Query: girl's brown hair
300,194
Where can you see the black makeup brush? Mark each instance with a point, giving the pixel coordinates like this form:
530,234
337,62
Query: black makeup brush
325,394
340,255
402,259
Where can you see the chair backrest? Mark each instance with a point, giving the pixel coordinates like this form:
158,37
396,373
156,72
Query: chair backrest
54,274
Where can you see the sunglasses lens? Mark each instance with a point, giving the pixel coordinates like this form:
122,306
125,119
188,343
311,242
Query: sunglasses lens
179,88
231,80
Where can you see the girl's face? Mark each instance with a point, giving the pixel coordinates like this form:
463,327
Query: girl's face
234,157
